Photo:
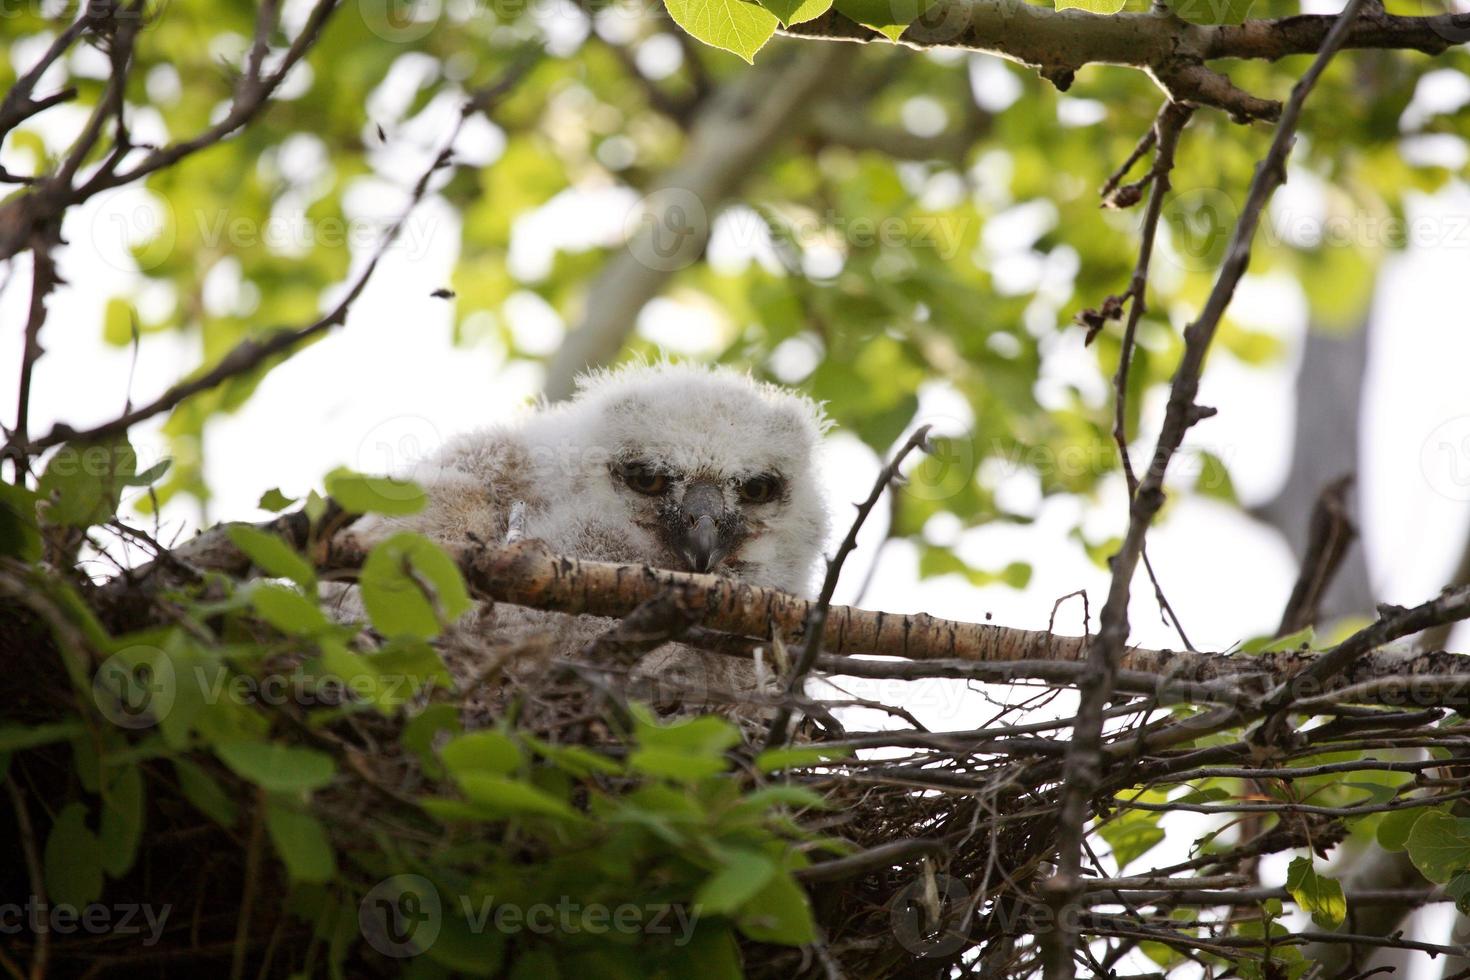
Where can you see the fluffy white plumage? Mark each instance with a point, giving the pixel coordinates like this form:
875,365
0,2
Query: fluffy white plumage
679,466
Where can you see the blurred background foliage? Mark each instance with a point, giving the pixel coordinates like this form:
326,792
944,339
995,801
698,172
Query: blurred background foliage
926,219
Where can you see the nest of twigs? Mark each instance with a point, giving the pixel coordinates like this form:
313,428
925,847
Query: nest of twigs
879,916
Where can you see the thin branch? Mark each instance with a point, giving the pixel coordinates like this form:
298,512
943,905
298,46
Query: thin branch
253,352
1084,756
817,619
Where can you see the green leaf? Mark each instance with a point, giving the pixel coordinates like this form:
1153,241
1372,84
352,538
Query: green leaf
1093,6
1132,834
423,730
488,752
73,859
1394,828
797,11
677,764
742,875
779,913
273,555
705,735
574,759
288,610
150,475
1318,895
1459,890
1214,479
393,584
122,821
362,494
301,842
119,322
20,535
275,501
731,25
278,768
1272,644
512,798
83,482
796,757
887,17
1439,845
203,791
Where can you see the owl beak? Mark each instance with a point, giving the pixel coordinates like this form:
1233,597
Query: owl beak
700,512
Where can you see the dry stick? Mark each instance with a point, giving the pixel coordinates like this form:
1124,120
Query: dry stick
527,573
1393,623
1084,757
43,279
1167,128
51,196
252,352
817,619
33,868
1329,534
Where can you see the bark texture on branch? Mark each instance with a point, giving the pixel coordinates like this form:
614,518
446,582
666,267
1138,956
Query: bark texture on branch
525,573
1172,50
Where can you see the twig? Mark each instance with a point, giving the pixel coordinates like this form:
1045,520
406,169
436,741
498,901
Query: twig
32,854
1084,754
251,353
817,619
43,279
1330,533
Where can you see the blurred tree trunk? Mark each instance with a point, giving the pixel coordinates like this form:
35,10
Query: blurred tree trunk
1325,447
734,130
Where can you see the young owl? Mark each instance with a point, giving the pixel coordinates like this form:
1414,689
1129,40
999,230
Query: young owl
673,465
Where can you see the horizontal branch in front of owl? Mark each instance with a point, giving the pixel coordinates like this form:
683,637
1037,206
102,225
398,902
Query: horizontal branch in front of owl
735,617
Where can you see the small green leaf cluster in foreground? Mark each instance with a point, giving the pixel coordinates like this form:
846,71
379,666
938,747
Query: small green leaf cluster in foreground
330,766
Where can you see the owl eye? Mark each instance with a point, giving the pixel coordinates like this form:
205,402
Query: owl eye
644,479
760,489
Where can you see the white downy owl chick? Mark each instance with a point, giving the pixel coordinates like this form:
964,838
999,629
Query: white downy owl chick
678,466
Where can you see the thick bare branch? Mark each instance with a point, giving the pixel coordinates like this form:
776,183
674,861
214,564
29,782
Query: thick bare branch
1173,51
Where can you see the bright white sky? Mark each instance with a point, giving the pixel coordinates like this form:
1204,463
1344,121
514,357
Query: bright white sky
390,386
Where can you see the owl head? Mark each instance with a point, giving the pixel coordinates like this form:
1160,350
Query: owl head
694,468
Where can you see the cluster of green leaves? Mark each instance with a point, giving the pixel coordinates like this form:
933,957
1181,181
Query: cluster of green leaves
659,822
